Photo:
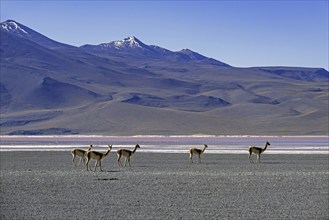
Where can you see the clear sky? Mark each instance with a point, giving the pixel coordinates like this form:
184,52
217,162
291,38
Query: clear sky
240,33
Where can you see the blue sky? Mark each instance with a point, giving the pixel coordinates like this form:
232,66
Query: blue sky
240,33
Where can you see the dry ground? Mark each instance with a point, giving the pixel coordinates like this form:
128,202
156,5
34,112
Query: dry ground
44,185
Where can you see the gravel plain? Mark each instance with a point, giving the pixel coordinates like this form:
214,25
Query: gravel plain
45,185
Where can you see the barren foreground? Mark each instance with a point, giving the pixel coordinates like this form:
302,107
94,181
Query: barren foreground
44,185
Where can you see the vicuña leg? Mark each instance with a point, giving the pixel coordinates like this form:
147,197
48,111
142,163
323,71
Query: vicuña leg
191,159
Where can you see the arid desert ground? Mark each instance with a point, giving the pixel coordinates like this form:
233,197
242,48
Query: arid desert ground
45,185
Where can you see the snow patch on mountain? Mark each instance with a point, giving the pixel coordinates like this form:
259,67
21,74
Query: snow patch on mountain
12,27
128,43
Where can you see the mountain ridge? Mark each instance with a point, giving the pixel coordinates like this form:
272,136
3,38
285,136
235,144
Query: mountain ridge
133,46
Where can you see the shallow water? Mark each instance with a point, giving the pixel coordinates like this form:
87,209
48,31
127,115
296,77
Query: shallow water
171,144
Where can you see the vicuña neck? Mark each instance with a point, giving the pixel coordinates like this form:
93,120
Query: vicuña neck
265,147
135,149
107,152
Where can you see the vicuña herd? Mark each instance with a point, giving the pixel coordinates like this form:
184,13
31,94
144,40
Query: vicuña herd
88,155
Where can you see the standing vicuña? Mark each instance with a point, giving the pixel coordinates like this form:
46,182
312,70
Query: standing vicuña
198,152
98,156
257,150
127,154
80,153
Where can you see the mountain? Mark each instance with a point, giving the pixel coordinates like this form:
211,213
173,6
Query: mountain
127,87
131,46
22,31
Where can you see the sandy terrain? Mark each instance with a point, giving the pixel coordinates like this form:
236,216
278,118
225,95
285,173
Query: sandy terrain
44,185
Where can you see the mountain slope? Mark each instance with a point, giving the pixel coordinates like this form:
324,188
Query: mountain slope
305,74
127,87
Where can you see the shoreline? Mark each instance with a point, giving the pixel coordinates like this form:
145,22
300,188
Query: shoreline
324,151
213,149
